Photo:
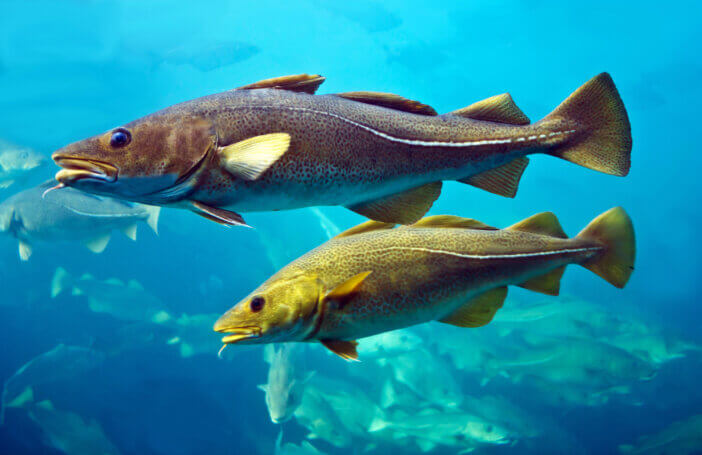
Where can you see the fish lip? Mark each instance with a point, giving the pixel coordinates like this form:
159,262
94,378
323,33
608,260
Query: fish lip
75,168
239,334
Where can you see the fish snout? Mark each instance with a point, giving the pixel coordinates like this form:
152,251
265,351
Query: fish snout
75,169
236,334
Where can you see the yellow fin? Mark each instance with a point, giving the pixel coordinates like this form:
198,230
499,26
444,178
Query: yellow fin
346,289
250,158
390,101
25,250
503,180
98,244
368,226
498,108
479,310
304,83
549,283
451,221
344,349
130,231
615,232
403,208
544,223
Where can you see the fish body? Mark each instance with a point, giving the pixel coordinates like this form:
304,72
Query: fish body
283,389
681,438
58,364
124,301
17,163
372,278
35,215
274,145
69,432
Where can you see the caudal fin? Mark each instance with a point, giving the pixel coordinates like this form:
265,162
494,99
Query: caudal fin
602,136
613,230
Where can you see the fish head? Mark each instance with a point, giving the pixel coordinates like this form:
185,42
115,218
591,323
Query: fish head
282,309
150,160
16,159
281,402
486,432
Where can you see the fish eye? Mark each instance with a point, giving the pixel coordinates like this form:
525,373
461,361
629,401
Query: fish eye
257,303
489,428
120,138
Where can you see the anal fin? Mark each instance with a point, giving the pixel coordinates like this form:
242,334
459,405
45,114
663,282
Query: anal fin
221,216
549,283
403,208
503,180
479,310
344,349
130,231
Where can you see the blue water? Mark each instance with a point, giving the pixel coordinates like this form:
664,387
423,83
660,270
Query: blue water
70,69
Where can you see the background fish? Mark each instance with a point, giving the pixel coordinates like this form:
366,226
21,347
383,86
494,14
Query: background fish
285,383
372,278
35,215
17,164
273,145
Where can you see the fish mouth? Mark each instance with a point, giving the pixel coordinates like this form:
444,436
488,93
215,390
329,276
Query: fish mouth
238,334
75,169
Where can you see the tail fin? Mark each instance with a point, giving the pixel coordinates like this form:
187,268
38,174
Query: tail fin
60,281
603,138
152,218
612,229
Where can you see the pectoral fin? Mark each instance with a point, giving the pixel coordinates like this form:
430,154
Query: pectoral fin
340,294
503,180
402,208
250,158
25,250
218,215
98,244
344,349
478,311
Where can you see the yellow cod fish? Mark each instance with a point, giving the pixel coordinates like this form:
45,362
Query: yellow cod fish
373,278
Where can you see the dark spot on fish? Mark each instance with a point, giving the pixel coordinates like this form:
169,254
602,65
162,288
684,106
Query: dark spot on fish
489,428
257,303
120,138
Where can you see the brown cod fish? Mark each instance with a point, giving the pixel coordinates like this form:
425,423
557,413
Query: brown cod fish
274,145
373,278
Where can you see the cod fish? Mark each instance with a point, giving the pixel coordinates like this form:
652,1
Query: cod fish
274,145
372,278
17,163
69,432
683,437
284,389
58,364
34,215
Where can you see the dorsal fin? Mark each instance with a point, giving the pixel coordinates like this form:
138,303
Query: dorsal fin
451,221
499,108
390,101
544,223
304,83
365,227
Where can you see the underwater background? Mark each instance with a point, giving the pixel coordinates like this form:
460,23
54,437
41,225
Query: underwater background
596,370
